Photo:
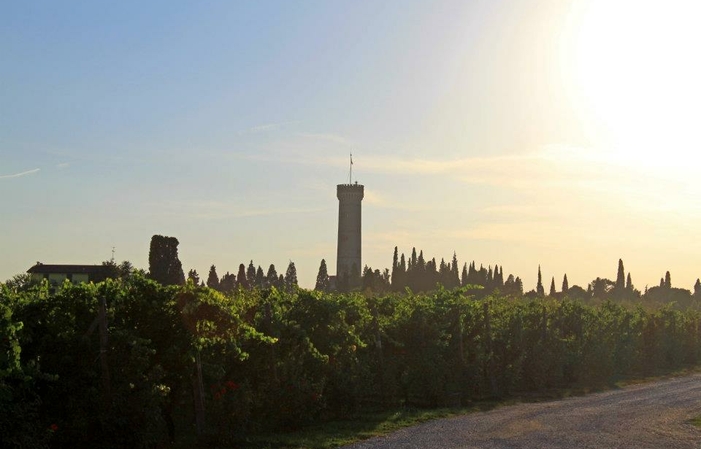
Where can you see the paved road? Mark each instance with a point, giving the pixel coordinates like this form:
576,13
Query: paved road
645,416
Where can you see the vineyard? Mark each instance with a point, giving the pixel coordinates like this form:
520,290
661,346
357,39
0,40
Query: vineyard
132,363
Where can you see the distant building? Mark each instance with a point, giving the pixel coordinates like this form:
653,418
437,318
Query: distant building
348,257
57,274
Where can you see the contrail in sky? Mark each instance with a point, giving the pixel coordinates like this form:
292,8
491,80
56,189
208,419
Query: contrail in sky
17,175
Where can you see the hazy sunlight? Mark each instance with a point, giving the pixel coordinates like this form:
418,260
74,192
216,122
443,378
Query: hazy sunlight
634,73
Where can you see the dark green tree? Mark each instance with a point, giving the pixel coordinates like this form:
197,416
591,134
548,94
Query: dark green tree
697,288
260,277
194,277
241,280
454,272
251,274
620,277
565,285
397,271
463,277
322,278
227,284
602,288
164,265
213,279
540,291
291,276
629,283
271,277
552,288
668,280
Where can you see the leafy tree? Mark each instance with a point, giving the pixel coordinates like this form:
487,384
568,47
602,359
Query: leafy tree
322,278
227,284
163,262
213,279
193,276
601,288
19,282
577,292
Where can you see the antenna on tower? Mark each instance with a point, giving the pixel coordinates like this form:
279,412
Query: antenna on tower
350,173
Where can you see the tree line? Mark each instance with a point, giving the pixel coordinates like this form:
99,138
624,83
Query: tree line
419,274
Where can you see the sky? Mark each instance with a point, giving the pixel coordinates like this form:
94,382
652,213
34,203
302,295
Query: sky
559,133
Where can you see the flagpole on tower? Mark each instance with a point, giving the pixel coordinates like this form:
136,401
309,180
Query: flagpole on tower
350,173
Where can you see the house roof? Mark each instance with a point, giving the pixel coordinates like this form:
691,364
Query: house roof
65,269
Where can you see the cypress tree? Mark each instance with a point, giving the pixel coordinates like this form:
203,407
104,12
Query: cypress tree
552,287
271,277
400,280
241,280
697,288
251,274
629,283
213,279
396,277
620,277
260,277
291,276
454,271
322,278
668,280
463,280
539,288
565,284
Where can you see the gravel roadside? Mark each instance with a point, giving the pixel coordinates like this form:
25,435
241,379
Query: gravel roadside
652,415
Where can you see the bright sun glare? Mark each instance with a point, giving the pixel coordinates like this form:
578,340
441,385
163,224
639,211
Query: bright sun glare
636,73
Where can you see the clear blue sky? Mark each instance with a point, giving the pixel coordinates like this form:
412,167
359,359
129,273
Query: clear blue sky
513,132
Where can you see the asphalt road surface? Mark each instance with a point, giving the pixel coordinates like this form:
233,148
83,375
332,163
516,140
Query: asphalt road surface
645,416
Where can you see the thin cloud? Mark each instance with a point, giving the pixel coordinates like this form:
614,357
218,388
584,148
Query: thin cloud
63,165
19,175
214,210
334,138
266,127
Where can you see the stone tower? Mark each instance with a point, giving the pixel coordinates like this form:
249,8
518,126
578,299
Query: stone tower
348,260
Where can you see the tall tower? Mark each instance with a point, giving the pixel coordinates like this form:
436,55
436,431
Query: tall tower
349,232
